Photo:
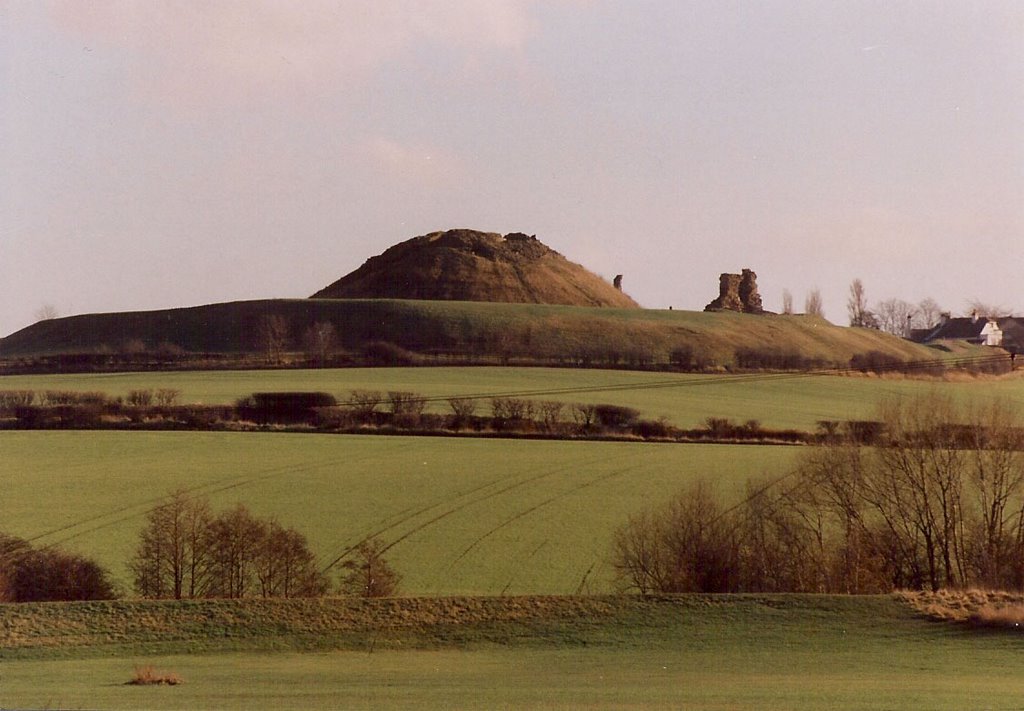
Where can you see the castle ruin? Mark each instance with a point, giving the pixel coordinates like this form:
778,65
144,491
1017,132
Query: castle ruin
737,292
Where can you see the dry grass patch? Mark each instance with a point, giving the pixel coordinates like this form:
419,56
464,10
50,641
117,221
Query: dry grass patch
148,676
978,608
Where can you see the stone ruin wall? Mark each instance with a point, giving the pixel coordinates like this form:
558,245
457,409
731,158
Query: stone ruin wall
737,292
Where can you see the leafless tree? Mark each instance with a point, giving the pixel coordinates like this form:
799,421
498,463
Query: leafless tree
813,305
895,316
688,545
187,552
984,309
857,304
787,302
928,312
283,564
273,336
320,340
47,312
367,573
172,559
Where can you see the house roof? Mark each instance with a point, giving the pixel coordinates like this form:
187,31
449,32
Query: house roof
968,329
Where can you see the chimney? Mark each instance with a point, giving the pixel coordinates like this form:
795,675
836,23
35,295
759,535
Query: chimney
617,282
974,316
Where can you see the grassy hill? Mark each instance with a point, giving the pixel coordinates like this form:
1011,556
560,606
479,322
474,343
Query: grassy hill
520,332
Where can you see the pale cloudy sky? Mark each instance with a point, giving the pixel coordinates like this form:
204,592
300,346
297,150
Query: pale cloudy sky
157,154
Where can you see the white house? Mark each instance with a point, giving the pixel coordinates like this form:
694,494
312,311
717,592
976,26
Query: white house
991,334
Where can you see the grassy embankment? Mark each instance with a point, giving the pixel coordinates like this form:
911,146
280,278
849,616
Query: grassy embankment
776,400
537,332
727,652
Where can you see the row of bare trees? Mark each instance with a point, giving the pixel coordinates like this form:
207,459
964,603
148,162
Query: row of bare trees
899,317
186,551
939,503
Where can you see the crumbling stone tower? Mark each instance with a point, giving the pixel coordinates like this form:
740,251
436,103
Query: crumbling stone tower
737,292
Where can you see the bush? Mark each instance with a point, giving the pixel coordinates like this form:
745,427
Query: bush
774,359
511,413
463,409
364,403
31,575
140,398
284,407
10,399
616,417
651,429
386,353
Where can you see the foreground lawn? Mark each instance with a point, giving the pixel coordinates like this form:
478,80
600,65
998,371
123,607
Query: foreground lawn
743,652
465,516
777,401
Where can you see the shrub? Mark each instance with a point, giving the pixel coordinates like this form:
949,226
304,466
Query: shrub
284,406
52,575
550,413
774,359
406,403
140,398
16,398
386,353
651,429
616,417
167,396
364,403
511,413
148,676
463,409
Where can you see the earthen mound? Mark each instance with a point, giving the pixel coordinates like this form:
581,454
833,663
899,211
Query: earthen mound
466,265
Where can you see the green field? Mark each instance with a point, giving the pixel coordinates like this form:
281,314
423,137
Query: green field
475,516
777,401
735,652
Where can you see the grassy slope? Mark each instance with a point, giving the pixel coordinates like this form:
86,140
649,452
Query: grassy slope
466,516
466,327
778,401
740,652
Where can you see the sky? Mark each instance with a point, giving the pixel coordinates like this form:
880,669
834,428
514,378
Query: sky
158,154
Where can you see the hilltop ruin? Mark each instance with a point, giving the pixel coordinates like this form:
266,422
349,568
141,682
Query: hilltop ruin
737,292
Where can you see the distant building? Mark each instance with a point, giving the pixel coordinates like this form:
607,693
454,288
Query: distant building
1005,332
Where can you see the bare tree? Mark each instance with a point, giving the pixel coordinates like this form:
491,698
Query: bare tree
985,309
273,336
686,546
283,564
813,305
787,302
172,558
47,312
320,340
368,574
895,316
928,312
857,304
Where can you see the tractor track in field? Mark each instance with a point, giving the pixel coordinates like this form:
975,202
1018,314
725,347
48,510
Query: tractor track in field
445,514
151,504
532,509
527,511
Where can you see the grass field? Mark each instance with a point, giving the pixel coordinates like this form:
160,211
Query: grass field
734,652
777,401
465,515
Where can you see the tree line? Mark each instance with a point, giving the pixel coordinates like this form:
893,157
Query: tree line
937,502
187,551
